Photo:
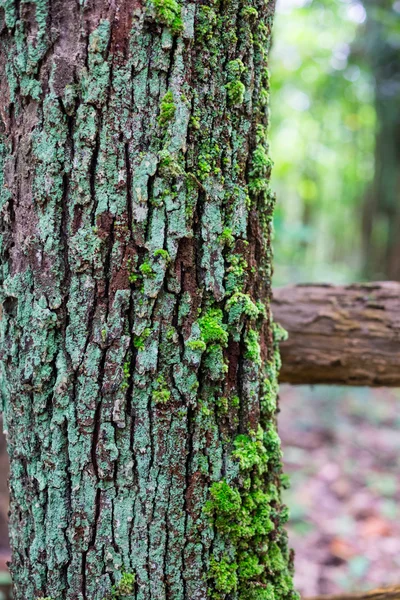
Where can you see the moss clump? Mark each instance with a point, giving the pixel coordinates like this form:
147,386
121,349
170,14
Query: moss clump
244,515
196,345
147,270
239,306
236,91
167,109
161,393
236,273
125,587
253,351
226,238
126,369
164,254
235,68
225,500
139,340
261,169
251,452
168,12
212,330
224,574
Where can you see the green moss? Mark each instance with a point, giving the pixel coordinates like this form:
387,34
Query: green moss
212,329
161,393
226,238
139,340
225,500
236,273
164,254
236,91
261,170
250,452
126,369
224,574
238,307
167,109
197,345
168,12
235,68
125,587
250,567
147,270
253,351
249,12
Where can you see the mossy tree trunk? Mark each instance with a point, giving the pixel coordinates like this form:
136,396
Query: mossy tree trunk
139,364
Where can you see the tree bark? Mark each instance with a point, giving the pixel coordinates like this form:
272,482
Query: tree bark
347,335
139,368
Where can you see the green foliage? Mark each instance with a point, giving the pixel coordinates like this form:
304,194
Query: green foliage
322,139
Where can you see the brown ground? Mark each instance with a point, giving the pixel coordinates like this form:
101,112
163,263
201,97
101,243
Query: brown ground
342,450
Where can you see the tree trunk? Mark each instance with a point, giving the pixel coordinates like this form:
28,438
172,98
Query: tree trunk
139,368
381,210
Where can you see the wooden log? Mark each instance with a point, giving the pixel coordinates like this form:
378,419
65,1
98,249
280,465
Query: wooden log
389,593
348,335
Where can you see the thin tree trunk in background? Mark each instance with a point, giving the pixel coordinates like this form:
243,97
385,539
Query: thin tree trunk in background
139,368
381,211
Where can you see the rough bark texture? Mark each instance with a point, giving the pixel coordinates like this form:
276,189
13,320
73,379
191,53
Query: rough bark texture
343,335
138,358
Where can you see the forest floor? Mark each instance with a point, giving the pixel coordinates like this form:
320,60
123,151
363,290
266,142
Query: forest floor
342,451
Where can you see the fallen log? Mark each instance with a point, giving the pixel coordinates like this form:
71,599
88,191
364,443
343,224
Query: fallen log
347,335
389,593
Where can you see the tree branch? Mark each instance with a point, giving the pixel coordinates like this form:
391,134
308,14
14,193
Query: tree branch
346,335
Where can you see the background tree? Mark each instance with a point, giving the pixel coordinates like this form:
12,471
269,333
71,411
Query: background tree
138,358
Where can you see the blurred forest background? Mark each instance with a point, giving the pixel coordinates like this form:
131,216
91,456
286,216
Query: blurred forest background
335,142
